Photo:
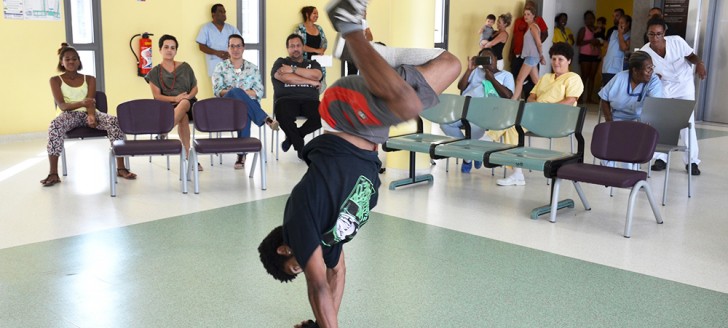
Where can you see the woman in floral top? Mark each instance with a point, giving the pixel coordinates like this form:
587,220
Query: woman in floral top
240,79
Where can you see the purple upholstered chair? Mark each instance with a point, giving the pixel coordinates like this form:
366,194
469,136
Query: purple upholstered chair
146,116
621,141
84,132
222,115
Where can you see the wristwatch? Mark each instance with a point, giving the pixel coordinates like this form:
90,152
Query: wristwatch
293,69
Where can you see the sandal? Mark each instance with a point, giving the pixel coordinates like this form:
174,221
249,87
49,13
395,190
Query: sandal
50,180
126,174
240,163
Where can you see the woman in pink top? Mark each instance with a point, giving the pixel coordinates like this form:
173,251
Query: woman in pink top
590,49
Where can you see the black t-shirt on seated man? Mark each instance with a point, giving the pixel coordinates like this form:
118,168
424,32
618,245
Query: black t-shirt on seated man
294,91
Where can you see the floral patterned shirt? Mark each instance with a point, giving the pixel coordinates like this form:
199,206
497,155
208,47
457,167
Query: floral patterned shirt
248,78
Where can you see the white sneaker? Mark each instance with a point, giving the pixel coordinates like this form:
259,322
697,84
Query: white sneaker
512,180
339,45
346,15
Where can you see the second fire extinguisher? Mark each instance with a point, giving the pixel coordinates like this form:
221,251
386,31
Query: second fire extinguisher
144,58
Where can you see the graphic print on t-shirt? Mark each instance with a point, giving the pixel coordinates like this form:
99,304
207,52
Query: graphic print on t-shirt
353,214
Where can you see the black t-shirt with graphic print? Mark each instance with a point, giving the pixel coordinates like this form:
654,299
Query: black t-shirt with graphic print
294,91
332,200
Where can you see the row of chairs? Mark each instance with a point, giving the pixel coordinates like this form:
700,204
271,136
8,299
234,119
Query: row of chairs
631,142
153,117
214,115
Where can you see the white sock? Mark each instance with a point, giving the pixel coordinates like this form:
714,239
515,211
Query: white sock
517,172
406,56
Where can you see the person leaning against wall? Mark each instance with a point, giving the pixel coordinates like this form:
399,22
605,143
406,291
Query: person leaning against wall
75,97
213,38
617,49
314,38
498,40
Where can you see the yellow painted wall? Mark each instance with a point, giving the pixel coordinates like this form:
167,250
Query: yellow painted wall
122,19
606,8
466,17
28,61
28,105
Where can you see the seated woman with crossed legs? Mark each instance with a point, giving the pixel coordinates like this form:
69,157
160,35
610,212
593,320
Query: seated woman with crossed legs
174,82
74,94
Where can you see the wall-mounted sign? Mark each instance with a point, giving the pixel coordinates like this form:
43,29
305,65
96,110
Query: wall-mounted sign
675,13
32,9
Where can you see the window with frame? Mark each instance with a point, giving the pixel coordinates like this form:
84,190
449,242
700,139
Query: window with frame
83,32
251,23
442,23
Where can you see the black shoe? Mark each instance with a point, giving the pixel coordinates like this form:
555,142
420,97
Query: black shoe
659,165
694,168
285,145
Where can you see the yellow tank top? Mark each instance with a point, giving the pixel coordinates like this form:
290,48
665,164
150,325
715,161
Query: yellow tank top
74,94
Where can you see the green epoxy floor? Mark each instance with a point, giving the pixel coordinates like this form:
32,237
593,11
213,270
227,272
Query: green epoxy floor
202,270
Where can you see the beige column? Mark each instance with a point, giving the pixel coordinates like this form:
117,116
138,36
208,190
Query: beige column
412,24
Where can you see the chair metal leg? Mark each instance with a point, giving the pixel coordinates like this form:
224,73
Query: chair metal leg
193,171
252,167
263,176
262,136
630,206
571,140
554,204
63,161
183,167
667,176
651,199
555,199
649,169
412,179
277,146
112,169
690,162
582,196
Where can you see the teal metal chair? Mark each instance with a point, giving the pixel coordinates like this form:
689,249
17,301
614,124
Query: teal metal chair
449,110
547,121
489,113
669,116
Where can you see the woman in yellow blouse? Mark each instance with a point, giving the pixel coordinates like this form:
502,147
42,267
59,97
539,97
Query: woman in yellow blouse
561,32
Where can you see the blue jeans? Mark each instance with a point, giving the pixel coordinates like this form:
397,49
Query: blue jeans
453,130
255,112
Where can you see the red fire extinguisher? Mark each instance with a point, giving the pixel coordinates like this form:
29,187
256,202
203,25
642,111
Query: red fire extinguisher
144,57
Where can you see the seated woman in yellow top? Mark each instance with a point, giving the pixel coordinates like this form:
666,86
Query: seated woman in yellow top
75,96
561,86
561,32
